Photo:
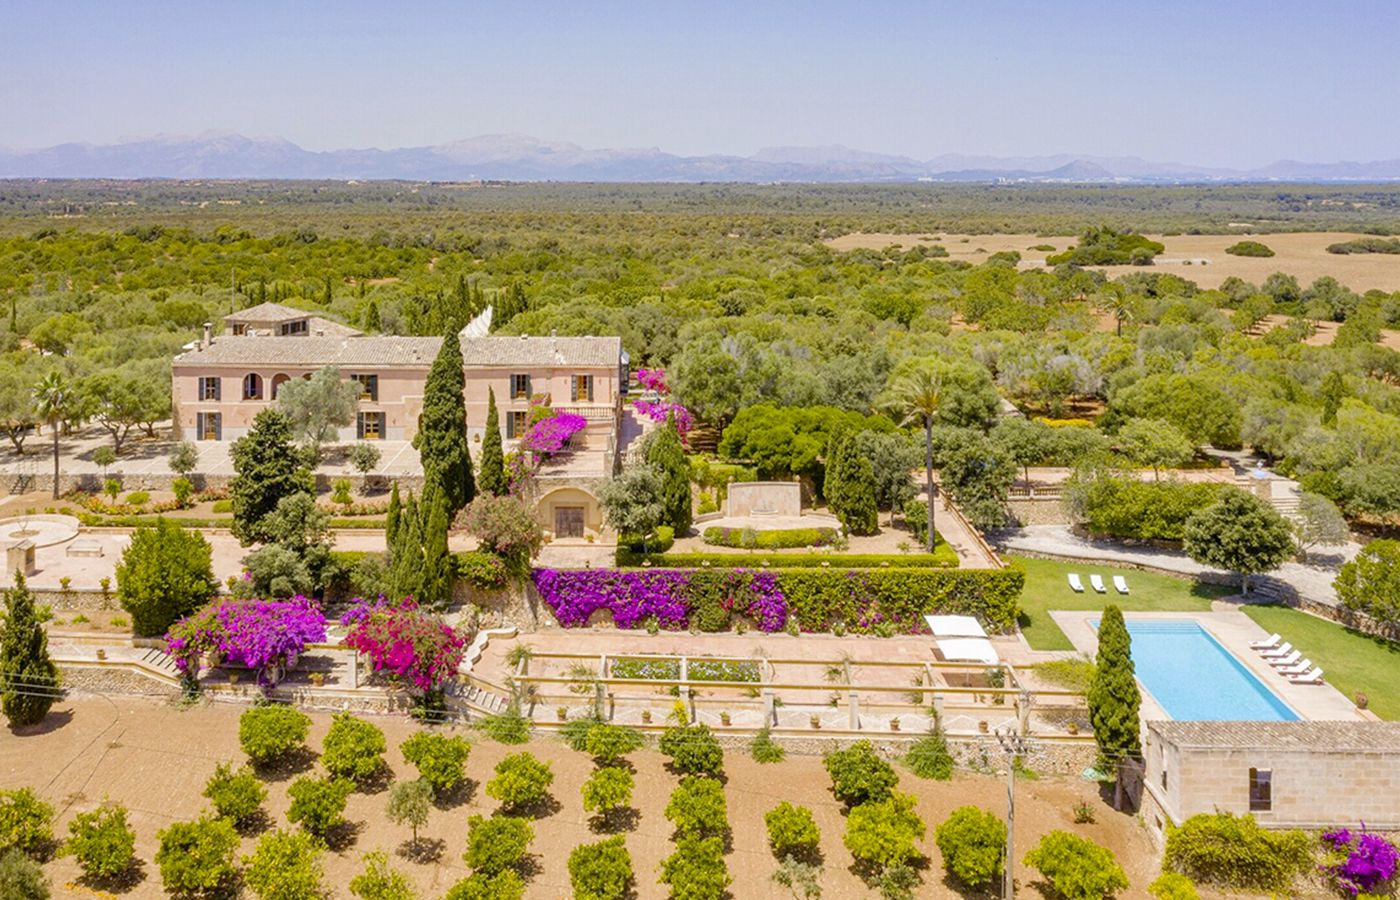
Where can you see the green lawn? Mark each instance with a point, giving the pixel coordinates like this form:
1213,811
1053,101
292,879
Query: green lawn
1352,661
1047,588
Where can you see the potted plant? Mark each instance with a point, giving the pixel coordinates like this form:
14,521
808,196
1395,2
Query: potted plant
562,713
982,726
724,719
816,721
101,653
646,717
1072,727
317,679
894,723
1362,701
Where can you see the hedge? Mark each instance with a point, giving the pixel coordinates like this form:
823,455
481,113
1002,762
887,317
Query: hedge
864,601
943,557
1153,510
481,570
775,539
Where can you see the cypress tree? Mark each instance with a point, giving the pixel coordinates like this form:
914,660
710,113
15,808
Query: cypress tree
442,439
438,569
493,457
372,321
391,518
859,510
406,558
28,678
268,467
667,456
1113,693
831,478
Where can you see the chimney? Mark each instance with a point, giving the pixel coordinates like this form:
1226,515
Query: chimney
208,335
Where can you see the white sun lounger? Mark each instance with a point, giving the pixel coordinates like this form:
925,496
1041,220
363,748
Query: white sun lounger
1277,652
1267,643
1313,677
1283,662
1120,583
1296,669
1075,584
1097,582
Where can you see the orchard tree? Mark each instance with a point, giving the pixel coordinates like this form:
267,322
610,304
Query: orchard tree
1113,697
317,407
634,502
1025,441
492,479
165,574
364,457
1319,523
667,456
184,458
267,468
28,678
1239,533
441,440
1370,583
1155,443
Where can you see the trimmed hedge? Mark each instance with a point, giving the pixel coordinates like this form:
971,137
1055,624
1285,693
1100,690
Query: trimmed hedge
943,557
893,600
481,570
1152,510
775,539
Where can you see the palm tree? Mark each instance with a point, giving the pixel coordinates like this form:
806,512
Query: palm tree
1115,300
52,397
915,393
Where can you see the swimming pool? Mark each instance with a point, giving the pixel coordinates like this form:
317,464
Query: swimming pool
1194,678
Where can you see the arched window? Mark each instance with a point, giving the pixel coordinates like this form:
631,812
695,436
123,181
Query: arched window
252,386
277,381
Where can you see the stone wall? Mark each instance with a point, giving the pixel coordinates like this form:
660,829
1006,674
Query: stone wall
97,678
1037,511
91,482
772,498
76,600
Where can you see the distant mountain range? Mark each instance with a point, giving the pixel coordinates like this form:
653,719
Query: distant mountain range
511,157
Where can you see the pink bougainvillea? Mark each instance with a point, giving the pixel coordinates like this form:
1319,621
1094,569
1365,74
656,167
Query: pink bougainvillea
265,635
658,410
653,380
551,435
404,643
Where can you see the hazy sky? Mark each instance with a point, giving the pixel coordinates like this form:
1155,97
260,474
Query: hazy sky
1220,83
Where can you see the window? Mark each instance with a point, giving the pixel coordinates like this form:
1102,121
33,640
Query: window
369,387
252,386
209,388
239,328
297,327
520,387
515,425
370,426
581,388
1261,790
208,426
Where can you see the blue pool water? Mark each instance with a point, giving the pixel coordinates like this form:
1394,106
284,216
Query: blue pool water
1194,678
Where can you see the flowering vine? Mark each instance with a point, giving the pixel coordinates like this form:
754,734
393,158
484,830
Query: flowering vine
1362,863
404,643
264,635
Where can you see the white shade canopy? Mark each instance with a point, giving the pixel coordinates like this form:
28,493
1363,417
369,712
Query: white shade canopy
955,626
965,649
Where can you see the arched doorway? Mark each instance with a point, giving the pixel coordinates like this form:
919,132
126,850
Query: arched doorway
277,381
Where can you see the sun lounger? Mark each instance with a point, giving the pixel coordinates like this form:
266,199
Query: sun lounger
1297,668
1097,582
1075,584
1283,662
1267,643
1277,652
1120,583
1313,677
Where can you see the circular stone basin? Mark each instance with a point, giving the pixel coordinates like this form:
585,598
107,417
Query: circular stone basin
42,530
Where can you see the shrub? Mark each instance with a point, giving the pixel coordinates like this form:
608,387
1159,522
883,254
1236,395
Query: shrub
184,489
859,776
497,844
880,835
318,803
507,728
138,498
21,878
521,781
353,748
165,574
505,885
285,865
792,831
102,842
222,506
441,760
1154,510
1078,869
601,871
236,796
776,539
608,744
972,843
1234,852
764,749
271,733
197,857
24,822
943,557
696,870
483,571
692,750
697,807
607,790
410,801
1249,248
1365,245
380,882
929,757
1172,886
803,879
1070,674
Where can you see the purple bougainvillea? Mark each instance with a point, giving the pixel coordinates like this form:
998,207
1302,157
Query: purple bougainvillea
264,635
658,410
551,435
1365,862
632,597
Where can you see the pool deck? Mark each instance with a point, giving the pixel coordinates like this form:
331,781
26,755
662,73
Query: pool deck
1234,630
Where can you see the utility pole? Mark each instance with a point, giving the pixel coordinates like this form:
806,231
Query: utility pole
1014,746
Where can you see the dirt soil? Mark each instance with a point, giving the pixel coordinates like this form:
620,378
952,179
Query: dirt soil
1197,257
156,758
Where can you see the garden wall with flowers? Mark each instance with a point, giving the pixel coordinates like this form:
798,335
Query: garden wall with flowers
862,601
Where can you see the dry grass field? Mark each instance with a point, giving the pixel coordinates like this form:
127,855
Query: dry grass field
155,758
1198,257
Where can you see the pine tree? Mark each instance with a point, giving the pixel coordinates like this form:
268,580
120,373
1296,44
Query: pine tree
1113,693
442,438
438,569
392,518
493,457
268,467
667,456
28,678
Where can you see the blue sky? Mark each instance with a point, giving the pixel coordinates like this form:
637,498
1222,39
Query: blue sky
1223,83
